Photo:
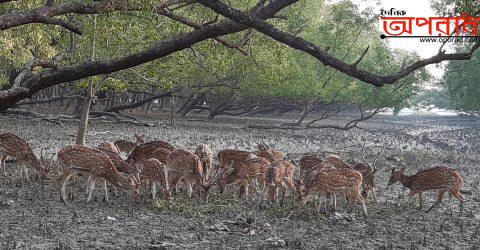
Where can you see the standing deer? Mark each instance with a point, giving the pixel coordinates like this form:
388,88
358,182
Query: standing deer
344,181
15,147
185,166
440,178
280,176
125,146
155,172
96,164
146,150
368,172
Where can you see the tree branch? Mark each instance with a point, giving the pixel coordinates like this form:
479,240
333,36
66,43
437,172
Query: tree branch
321,55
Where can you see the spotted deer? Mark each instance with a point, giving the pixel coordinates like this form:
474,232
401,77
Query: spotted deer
335,161
185,166
125,146
155,172
15,147
279,176
244,173
440,178
109,146
337,181
205,155
95,163
146,150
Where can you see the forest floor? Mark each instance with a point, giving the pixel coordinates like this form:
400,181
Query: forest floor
32,216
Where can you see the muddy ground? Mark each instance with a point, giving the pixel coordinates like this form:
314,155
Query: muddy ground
32,216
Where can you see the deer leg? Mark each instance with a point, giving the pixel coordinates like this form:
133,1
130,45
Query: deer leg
420,200
106,191
63,182
91,187
3,158
374,196
189,188
154,190
459,196
25,172
440,194
284,193
322,199
246,189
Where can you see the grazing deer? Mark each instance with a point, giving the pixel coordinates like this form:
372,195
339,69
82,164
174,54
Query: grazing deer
125,146
15,147
344,181
109,146
440,178
205,155
244,173
185,166
266,152
280,176
97,164
155,172
146,150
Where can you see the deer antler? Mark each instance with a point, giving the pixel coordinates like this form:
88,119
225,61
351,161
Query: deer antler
372,166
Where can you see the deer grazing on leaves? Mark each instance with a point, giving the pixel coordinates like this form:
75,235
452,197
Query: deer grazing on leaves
15,147
440,178
125,146
97,165
336,181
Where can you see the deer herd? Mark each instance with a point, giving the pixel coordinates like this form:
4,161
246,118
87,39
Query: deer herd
158,164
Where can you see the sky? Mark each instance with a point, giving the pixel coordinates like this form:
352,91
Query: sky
415,8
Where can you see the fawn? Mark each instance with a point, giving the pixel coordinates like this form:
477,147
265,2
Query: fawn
15,147
185,166
440,178
125,146
345,181
244,173
109,146
155,172
97,164
280,176
146,150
